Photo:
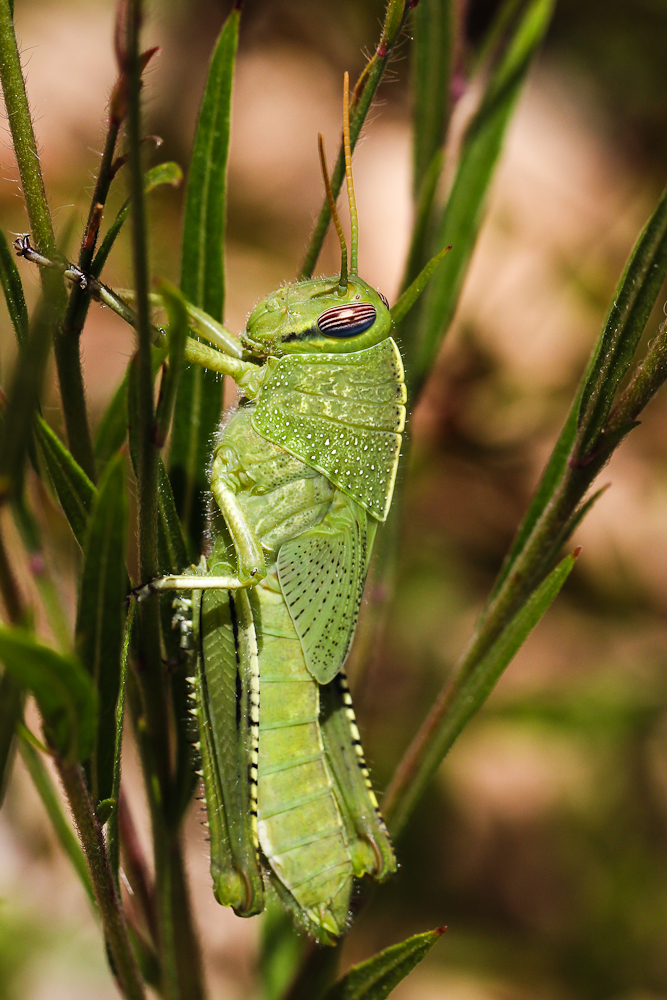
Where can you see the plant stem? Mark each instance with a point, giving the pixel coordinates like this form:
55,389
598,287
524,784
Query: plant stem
68,360
179,953
113,919
90,831
362,98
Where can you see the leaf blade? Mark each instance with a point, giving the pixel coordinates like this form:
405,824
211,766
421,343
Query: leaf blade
199,399
62,688
64,832
73,488
163,173
13,289
99,626
379,975
462,215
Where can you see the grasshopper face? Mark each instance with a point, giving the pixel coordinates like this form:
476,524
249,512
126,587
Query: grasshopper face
318,317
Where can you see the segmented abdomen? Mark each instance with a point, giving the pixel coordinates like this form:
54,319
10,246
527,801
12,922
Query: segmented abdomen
299,822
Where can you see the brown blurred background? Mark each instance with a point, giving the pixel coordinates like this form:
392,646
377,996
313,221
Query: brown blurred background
543,842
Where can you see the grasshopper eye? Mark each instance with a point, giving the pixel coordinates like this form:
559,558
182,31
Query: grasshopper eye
348,320
384,299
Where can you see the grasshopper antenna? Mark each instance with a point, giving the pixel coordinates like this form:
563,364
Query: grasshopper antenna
354,222
342,284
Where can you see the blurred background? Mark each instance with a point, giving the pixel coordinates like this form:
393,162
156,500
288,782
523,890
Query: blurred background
543,843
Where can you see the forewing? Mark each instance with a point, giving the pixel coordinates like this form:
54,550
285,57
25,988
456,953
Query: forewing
322,574
342,414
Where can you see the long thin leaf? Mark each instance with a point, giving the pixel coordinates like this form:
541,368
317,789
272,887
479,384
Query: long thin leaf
62,688
464,696
99,626
631,307
23,397
13,289
113,836
63,830
177,333
432,54
365,89
112,430
632,302
377,977
73,488
463,212
163,173
199,399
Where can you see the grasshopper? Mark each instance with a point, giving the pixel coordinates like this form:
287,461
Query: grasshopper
302,474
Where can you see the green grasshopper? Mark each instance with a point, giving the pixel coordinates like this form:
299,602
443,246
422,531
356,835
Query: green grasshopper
302,474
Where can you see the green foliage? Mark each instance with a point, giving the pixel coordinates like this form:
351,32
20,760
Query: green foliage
62,689
531,577
378,976
73,488
199,397
13,290
433,50
633,301
61,825
99,625
163,173
23,398
177,333
462,216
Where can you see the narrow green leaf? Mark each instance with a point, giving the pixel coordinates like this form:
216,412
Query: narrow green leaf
177,333
633,300
199,399
362,97
463,212
13,289
100,616
62,688
420,238
113,427
113,835
11,710
466,694
414,290
432,55
73,488
47,793
23,397
163,173
282,950
377,977
631,307
551,478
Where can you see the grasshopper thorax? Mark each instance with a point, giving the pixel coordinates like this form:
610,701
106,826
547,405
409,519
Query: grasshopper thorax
314,317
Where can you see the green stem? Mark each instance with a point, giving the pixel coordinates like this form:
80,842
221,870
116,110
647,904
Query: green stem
68,360
364,92
179,953
442,725
113,919
79,298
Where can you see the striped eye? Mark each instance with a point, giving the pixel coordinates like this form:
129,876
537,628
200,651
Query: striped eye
384,299
347,321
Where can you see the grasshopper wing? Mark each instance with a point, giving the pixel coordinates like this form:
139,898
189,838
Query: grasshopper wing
343,415
322,574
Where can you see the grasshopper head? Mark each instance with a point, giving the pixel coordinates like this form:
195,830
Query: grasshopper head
316,317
